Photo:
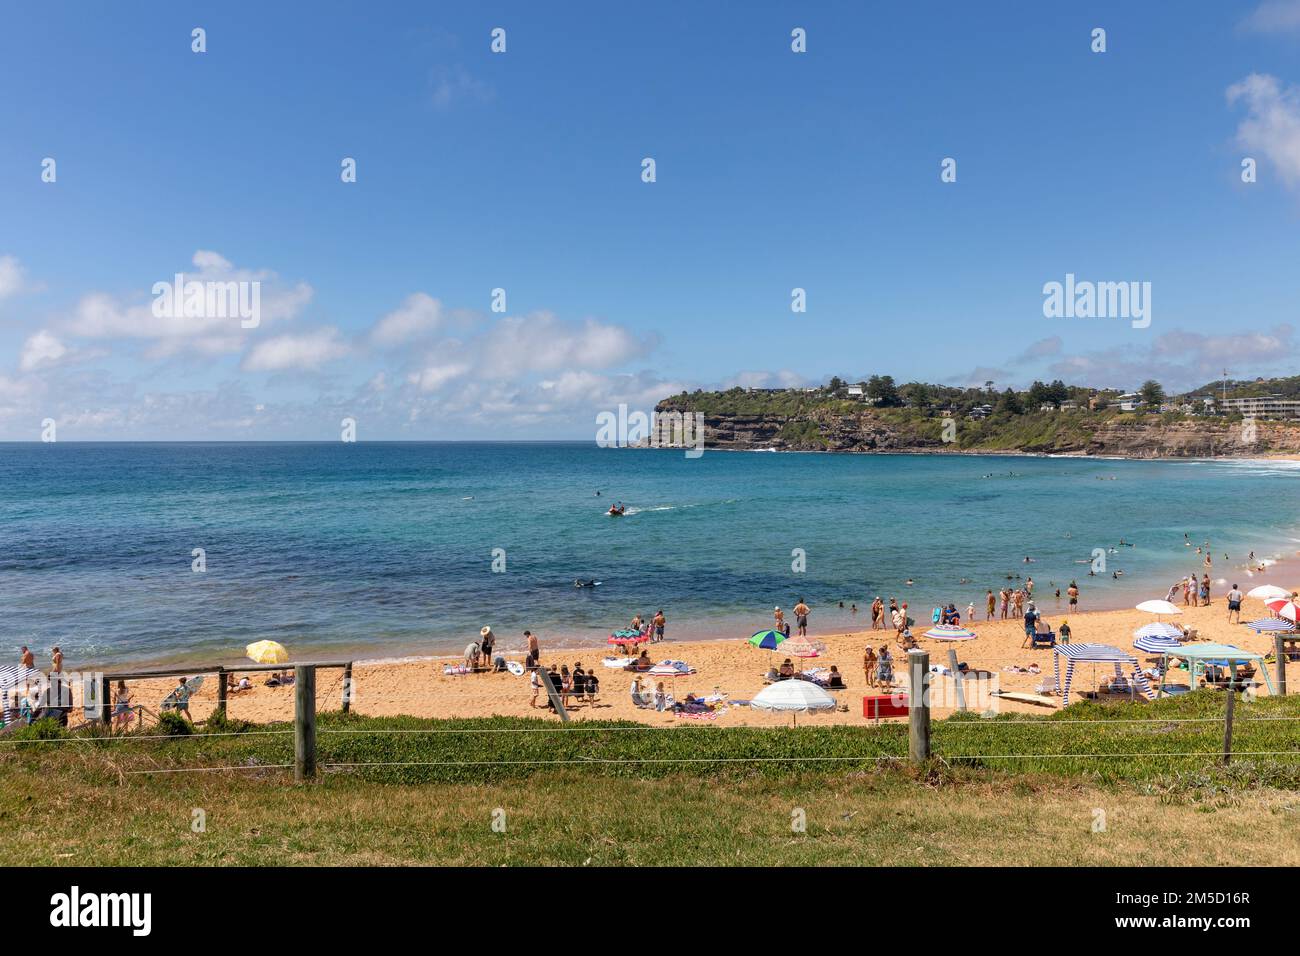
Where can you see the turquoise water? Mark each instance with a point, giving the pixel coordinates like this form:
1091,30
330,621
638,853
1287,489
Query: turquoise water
380,549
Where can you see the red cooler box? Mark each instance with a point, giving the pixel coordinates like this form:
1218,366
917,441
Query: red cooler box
878,706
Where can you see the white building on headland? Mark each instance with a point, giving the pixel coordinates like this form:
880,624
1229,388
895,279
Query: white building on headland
1264,407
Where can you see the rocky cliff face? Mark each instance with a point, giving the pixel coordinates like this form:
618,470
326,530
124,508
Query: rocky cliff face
1128,436
1192,439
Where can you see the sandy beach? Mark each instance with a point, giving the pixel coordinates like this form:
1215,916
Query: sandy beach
420,688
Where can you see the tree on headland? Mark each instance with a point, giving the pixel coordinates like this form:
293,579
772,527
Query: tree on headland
1010,402
882,391
1152,393
836,385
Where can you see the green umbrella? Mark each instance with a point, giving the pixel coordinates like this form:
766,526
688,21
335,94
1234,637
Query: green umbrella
768,639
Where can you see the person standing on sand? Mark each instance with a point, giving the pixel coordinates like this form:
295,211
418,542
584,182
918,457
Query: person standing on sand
779,617
57,661
1073,592
534,652
1029,586
1005,596
659,621
1205,590
992,606
801,617
869,665
877,614
535,682
28,661
1234,604
885,668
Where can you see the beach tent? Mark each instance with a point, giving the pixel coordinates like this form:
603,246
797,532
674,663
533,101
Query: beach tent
1095,654
1198,655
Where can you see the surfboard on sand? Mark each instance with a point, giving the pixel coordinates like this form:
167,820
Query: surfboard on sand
1023,698
515,668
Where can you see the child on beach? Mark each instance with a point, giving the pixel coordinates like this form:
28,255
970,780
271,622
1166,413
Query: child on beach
869,662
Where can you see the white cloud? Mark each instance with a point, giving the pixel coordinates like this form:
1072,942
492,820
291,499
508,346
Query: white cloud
100,315
453,84
12,277
418,315
1274,16
304,351
1272,124
43,348
542,343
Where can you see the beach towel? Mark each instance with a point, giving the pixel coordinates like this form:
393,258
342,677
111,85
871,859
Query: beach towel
455,669
700,715
617,662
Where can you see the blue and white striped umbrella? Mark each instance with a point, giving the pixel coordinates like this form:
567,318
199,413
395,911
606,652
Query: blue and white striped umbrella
946,632
1159,629
1154,644
1271,624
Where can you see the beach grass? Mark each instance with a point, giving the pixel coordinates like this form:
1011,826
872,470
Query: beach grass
624,794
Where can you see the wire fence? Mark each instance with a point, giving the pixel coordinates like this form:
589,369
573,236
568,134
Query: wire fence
960,739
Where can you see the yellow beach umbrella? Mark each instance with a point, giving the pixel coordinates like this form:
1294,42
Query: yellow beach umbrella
267,652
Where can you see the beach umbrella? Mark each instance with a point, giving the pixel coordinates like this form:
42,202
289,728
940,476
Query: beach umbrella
767,639
1154,644
1271,624
1159,629
793,695
267,652
1158,607
1284,608
628,637
1268,592
950,632
803,647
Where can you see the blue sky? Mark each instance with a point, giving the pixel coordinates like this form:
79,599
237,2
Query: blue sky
522,171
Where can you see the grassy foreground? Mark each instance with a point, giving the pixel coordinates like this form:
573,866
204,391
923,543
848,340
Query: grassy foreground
619,795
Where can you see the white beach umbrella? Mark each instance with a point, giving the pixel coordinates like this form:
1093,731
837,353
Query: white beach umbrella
1267,592
793,695
1159,629
1158,607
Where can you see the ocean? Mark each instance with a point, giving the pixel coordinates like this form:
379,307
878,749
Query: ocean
377,550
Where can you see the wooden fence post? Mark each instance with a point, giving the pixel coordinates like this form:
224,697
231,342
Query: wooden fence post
957,680
347,687
1279,651
1227,720
918,705
304,722
105,701
221,692
553,693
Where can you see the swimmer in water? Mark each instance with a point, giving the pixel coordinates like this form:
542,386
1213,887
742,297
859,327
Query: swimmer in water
908,582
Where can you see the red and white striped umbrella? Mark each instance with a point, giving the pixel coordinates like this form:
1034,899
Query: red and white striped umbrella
1284,607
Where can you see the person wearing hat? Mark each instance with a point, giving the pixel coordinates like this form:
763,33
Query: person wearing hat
489,639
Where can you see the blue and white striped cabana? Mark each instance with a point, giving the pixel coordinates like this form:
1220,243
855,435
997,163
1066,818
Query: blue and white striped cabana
1095,654
14,677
